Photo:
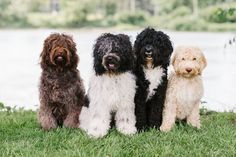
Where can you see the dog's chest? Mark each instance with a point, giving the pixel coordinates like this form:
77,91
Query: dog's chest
154,76
59,90
189,93
112,89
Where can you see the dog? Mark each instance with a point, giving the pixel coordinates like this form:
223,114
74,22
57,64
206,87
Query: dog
111,88
153,49
185,88
61,88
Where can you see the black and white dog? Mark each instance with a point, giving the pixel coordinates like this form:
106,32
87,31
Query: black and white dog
112,87
153,49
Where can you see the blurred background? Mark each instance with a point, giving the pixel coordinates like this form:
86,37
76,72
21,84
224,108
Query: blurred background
180,15
24,24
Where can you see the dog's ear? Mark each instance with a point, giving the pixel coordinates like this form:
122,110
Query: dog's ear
203,61
127,48
74,58
124,37
97,57
173,58
138,44
45,54
202,58
165,47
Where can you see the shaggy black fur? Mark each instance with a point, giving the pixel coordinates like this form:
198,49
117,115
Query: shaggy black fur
113,54
149,112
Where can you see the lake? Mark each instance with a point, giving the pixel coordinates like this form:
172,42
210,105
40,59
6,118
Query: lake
20,70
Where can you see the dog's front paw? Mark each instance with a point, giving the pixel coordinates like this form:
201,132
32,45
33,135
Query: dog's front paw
196,125
48,127
47,123
194,122
127,130
71,123
97,132
165,128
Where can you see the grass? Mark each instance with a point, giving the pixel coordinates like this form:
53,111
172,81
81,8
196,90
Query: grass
20,135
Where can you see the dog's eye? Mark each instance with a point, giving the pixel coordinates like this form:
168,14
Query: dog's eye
183,59
194,59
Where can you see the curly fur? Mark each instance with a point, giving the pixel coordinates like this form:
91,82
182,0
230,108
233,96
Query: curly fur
114,44
151,73
112,87
185,88
61,88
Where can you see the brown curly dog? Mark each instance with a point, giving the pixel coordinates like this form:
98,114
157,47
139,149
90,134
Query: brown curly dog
61,88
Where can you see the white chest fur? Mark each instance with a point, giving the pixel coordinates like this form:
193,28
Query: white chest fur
154,76
112,90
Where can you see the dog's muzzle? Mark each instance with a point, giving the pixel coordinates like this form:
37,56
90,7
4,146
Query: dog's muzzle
111,62
148,51
60,56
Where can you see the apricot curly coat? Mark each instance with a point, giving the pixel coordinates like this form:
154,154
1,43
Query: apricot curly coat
61,88
185,87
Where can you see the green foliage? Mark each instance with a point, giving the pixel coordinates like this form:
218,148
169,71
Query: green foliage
20,135
219,15
188,24
15,15
173,5
75,17
38,5
4,5
1,106
207,3
74,13
110,8
135,18
174,14
180,12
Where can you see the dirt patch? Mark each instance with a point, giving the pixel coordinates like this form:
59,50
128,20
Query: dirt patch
233,121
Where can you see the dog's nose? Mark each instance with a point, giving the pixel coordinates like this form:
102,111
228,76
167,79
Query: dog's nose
148,48
109,58
188,70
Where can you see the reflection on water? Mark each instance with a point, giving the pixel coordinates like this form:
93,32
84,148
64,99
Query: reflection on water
20,71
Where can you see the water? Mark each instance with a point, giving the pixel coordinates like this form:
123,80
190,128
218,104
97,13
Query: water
20,70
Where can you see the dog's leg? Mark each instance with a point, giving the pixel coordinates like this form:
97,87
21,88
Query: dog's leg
169,116
140,113
125,120
72,118
194,118
84,118
46,118
99,121
157,103
155,106
74,109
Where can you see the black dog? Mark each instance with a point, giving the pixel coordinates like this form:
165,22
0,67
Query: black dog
153,49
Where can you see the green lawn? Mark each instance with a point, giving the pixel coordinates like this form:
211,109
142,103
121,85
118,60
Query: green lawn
20,135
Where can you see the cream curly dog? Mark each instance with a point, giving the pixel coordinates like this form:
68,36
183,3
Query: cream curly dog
185,88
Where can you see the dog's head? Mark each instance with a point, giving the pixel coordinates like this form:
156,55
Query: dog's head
188,61
59,51
153,48
113,54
